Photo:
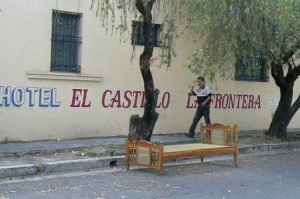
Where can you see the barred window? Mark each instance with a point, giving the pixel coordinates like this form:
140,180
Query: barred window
137,37
250,69
66,42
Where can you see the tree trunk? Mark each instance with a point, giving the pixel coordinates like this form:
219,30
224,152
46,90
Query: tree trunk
285,110
283,113
142,127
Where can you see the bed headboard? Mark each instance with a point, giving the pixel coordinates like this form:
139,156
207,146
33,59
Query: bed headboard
219,134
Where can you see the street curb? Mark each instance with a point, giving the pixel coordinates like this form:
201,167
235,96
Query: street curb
18,170
34,152
268,147
114,161
83,164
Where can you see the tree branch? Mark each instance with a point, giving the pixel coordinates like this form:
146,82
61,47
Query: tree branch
289,75
290,67
288,54
296,70
140,7
292,75
150,4
295,107
277,73
148,34
292,59
293,71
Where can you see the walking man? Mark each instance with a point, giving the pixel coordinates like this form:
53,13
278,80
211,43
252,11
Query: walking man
203,98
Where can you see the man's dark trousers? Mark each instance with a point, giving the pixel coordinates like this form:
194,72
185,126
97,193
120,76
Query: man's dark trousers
201,111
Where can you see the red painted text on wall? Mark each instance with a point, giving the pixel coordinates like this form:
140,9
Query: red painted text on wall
131,99
229,101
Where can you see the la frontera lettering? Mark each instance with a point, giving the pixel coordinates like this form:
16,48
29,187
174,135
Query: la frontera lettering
229,101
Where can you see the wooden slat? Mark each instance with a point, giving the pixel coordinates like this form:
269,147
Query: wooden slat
190,147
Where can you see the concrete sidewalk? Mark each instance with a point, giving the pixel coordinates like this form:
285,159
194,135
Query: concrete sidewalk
45,157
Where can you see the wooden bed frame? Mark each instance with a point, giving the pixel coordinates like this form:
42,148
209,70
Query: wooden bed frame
215,139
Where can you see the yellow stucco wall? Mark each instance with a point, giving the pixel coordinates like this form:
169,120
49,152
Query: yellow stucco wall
106,74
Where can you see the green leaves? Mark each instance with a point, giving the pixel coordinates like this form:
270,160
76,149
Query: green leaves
118,14
232,28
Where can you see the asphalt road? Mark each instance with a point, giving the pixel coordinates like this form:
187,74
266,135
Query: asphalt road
272,176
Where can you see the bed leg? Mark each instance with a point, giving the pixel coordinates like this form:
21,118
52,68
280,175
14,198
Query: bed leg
161,173
127,154
161,159
236,158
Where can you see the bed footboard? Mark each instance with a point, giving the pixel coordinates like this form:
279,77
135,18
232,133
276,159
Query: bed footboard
145,154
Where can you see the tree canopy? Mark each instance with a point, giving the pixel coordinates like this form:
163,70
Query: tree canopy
239,28
226,29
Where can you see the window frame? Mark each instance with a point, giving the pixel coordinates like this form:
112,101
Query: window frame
156,29
241,65
76,40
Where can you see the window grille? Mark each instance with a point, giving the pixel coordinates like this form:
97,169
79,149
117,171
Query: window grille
137,37
66,42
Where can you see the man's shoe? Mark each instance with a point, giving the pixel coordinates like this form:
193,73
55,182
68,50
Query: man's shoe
189,135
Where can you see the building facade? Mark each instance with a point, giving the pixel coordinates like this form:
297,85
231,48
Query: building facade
63,76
